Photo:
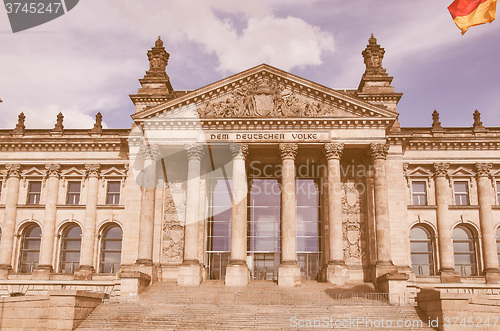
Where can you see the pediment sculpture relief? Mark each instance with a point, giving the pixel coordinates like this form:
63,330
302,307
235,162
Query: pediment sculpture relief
264,99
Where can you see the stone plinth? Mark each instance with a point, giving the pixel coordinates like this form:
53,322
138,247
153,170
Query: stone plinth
237,275
395,284
289,275
132,284
190,274
336,274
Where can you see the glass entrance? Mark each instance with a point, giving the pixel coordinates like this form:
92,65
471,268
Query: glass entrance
264,229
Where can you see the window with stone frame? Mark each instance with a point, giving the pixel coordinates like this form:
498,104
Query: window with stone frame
73,193
34,192
498,192
461,191
30,248
113,193
419,192
464,250
111,249
71,241
422,251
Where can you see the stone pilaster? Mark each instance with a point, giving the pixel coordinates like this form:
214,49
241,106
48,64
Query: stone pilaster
49,222
289,270
384,263
445,242
146,225
336,269
9,223
485,192
237,272
190,271
88,238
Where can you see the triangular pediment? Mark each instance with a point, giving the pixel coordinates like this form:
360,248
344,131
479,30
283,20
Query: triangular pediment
33,172
72,172
113,172
419,172
267,92
462,172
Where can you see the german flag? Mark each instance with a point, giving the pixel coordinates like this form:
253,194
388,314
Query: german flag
467,13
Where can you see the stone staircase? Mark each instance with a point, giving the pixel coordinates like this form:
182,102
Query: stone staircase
261,305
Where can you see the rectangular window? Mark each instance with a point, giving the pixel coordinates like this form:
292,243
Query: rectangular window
34,192
73,197
419,193
498,193
113,194
461,193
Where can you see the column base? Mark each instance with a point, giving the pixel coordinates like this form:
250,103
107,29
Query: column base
42,272
289,275
336,273
190,274
85,272
492,276
449,276
5,271
237,275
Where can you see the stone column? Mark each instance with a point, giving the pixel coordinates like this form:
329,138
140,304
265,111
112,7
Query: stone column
146,224
289,270
445,242
336,269
190,271
10,215
88,239
237,272
382,227
485,192
49,222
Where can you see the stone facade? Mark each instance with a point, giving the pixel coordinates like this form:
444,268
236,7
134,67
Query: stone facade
143,197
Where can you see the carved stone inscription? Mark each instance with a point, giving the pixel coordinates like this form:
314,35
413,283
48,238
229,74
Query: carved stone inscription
353,221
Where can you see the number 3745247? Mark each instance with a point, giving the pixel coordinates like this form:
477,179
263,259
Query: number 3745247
33,7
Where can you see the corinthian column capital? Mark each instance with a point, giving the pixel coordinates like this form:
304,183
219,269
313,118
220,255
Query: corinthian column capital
92,170
334,150
483,169
53,170
13,170
288,151
379,151
194,151
239,150
150,152
441,169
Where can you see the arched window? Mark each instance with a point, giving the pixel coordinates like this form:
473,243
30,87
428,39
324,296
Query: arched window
422,260
71,242
498,244
111,249
30,248
464,249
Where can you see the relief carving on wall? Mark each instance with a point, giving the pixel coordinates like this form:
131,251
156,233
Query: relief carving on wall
353,222
173,223
267,99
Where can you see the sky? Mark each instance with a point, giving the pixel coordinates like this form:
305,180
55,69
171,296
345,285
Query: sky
90,59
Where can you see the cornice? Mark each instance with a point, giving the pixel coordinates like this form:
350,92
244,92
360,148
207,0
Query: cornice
268,124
